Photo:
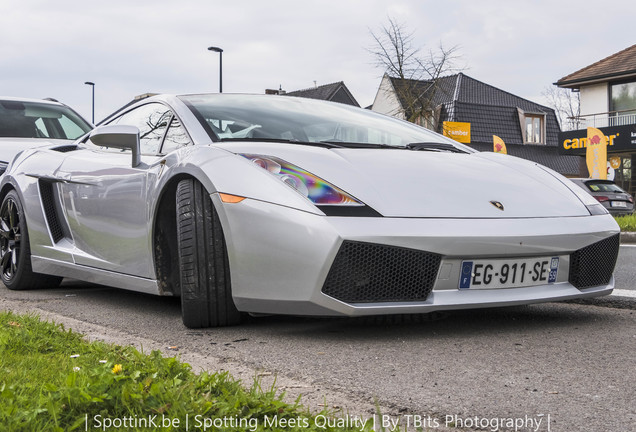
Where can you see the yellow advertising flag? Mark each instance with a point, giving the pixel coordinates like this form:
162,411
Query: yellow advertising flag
596,154
459,131
499,146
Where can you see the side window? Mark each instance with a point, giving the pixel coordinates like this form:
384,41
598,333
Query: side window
176,137
152,121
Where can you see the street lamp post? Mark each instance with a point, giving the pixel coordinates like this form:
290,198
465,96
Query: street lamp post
92,84
220,51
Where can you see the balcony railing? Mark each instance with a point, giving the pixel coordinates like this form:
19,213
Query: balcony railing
599,120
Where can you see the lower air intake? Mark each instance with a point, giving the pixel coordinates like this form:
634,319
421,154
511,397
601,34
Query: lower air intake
593,265
367,272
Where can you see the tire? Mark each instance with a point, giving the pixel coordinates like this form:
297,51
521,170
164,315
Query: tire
206,292
15,251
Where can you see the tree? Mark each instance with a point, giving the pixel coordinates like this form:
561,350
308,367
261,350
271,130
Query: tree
566,104
414,75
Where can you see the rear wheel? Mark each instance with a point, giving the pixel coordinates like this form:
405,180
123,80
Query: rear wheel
206,293
15,252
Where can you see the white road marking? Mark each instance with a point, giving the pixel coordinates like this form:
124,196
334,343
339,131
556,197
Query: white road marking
624,293
628,245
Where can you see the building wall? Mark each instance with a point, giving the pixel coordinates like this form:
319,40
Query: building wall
386,101
594,99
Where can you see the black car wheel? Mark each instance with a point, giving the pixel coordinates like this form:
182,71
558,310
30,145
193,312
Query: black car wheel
15,252
206,294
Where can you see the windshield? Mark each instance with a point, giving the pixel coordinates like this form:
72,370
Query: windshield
20,119
285,118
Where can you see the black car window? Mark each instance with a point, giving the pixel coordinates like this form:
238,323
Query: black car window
176,137
152,121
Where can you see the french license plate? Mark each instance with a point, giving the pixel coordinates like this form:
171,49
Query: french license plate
618,204
508,273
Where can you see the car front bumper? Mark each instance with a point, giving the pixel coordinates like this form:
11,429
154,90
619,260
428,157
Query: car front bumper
280,258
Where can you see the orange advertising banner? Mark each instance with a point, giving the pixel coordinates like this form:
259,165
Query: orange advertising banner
498,145
596,154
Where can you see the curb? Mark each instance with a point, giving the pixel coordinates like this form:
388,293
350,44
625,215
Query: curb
628,237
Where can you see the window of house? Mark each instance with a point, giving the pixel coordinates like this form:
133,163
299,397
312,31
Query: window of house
623,97
622,104
532,127
622,164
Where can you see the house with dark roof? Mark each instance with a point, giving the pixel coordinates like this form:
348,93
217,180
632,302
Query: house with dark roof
480,110
334,92
607,90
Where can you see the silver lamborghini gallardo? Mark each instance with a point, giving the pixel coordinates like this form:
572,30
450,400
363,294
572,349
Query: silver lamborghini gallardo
281,205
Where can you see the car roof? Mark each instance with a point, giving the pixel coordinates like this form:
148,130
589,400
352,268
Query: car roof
33,100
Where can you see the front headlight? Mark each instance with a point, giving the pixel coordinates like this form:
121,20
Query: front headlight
317,190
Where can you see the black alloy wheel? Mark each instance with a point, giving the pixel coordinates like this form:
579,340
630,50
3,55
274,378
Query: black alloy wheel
10,238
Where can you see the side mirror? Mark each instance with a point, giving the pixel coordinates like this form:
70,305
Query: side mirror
118,136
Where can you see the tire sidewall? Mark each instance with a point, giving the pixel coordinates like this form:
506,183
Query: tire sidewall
205,285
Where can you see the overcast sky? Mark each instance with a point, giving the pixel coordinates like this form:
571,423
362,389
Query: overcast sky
50,48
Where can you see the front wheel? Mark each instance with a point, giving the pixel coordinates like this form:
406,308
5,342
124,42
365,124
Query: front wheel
206,293
15,253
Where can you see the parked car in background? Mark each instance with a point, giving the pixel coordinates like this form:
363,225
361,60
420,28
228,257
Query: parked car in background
278,205
614,199
26,123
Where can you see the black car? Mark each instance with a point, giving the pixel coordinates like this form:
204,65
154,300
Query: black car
614,199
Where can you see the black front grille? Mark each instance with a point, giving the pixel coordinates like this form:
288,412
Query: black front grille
593,265
48,203
367,272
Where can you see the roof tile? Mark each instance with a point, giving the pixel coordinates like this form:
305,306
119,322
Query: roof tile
336,92
620,63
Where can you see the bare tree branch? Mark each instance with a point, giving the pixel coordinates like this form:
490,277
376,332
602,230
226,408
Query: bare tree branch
566,105
417,75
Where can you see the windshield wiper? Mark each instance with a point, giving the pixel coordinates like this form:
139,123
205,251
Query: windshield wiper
421,146
345,144
435,147
324,144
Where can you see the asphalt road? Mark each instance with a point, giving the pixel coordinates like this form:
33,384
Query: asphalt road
571,364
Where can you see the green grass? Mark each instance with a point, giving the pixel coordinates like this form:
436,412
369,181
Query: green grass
53,380
627,223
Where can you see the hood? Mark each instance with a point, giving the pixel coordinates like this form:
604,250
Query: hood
405,183
9,147
425,184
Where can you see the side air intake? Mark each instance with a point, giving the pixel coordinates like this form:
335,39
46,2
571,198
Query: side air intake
48,204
